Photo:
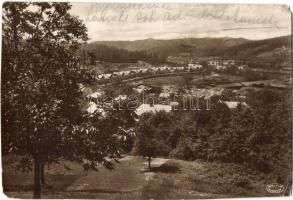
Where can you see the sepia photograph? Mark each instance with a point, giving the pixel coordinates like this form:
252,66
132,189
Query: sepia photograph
141,101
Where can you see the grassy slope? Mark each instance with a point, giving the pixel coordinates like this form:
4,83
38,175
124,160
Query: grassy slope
175,179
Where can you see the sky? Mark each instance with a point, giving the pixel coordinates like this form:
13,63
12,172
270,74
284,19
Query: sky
129,21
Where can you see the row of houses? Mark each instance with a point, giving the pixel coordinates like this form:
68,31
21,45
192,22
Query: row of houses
216,62
151,70
225,67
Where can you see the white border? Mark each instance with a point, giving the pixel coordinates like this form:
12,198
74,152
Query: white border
286,2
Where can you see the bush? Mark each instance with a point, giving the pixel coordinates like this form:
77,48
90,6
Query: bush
188,150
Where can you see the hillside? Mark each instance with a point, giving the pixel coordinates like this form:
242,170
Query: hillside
265,49
231,47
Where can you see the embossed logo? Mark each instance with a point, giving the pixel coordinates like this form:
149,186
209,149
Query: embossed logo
275,188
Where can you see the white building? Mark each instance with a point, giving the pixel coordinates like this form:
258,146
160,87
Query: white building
214,62
206,93
221,67
144,108
121,97
144,70
94,108
194,66
242,67
164,95
141,88
234,104
95,95
107,76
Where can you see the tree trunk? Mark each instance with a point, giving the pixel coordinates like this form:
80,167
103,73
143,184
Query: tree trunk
37,179
149,159
43,173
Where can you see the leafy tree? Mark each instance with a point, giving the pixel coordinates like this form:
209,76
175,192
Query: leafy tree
269,143
146,143
204,68
242,124
151,135
41,118
92,57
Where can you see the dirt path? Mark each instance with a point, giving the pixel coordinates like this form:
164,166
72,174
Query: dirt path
129,175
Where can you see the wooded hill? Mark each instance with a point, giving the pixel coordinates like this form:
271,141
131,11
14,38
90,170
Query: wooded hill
267,49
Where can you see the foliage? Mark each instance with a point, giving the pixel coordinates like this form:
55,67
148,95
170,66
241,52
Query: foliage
152,132
257,135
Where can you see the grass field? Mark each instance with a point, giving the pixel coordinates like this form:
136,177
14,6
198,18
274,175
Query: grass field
178,81
169,179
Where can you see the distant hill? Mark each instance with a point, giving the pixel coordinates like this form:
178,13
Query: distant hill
261,48
199,46
267,49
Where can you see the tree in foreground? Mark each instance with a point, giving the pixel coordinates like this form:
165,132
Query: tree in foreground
41,119
152,135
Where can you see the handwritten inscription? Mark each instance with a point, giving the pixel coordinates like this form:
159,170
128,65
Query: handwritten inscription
151,13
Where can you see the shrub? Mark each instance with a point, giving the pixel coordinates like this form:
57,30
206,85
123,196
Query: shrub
188,150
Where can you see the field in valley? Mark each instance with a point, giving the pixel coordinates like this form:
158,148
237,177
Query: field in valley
197,80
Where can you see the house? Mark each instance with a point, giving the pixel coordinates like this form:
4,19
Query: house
95,95
214,62
221,67
194,66
144,108
118,73
163,68
101,76
228,62
144,70
132,72
164,95
121,97
179,68
141,88
114,75
94,108
107,76
121,73
126,73
242,67
155,69
207,93
234,104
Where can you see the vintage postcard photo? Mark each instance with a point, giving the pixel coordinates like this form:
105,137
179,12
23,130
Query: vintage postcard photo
135,101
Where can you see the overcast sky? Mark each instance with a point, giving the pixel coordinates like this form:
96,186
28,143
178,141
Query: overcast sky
167,21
